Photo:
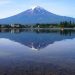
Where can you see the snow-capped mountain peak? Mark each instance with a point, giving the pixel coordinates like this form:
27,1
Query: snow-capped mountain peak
36,11
36,7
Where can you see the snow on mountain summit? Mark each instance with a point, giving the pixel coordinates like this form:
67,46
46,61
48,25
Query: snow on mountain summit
37,10
36,7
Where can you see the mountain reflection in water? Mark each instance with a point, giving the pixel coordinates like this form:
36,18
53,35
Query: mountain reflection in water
37,52
36,39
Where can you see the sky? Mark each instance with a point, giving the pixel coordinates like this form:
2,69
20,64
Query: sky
60,7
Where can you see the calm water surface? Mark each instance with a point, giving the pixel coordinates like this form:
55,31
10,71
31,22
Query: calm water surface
37,52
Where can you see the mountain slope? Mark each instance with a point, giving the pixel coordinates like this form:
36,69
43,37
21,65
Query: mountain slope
36,15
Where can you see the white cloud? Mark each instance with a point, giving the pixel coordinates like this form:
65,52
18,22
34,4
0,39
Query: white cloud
3,2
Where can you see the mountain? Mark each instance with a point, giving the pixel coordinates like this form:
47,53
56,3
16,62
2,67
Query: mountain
36,15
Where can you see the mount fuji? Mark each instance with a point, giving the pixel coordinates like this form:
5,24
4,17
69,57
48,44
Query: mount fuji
34,16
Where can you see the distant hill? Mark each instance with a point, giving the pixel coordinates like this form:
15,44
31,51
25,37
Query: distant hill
36,15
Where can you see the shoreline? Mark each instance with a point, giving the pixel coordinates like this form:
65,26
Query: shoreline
43,28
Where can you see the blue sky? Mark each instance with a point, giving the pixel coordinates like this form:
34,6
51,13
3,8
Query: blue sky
60,7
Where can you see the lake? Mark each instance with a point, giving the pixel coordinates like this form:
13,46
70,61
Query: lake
37,52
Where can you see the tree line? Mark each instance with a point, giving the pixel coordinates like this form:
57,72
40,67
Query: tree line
64,24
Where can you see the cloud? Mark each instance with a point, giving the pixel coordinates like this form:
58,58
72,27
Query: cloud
3,2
